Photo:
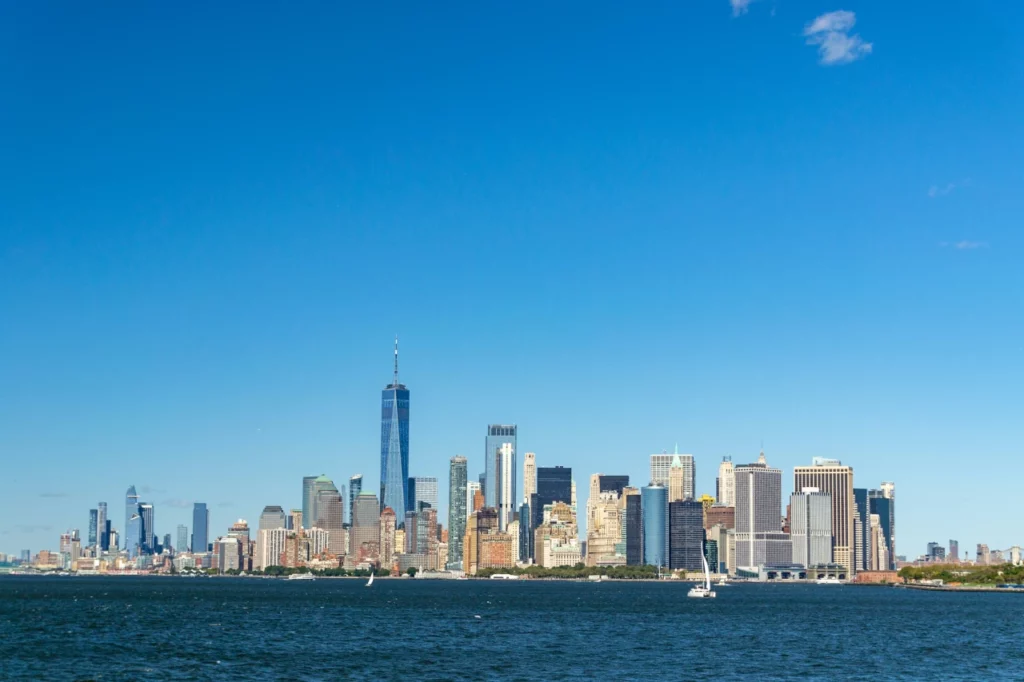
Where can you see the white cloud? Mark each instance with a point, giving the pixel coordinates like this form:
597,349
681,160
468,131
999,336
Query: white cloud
964,245
836,45
740,7
936,191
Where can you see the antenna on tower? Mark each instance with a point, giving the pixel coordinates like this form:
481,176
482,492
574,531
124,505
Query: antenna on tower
396,360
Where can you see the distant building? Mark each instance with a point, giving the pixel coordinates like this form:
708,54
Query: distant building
811,527
458,477
634,529
726,483
200,528
495,476
836,480
364,541
273,516
719,515
984,555
529,475
472,488
654,506
861,530
612,483
759,537
355,486
182,545
686,535
134,536
394,446
954,551
661,473
148,532
936,552
423,490
131,508
388,526
554,484
270,547
103,526
603,523
93,515
883,503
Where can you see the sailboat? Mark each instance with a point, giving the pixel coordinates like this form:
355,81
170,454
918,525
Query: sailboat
703,591
370,581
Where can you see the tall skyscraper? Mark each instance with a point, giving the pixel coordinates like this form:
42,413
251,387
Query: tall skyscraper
200,528
554,484
472,488
365,532
835,480
686,535
329,511
131,508
811,527
506,464
182,546
529,475
883,503
612,483
654,506
312,486
759,537
103,529
861,530
954,551
394,446
148,532
495,477
634,528
93,517
388,525
355,487
134,538
458,473
273,516
423,489
726,483
661,471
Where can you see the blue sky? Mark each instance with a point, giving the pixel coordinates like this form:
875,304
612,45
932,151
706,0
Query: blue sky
704,223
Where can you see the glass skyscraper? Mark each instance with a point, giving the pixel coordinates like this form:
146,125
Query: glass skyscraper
102,527
131,508
200,528
654,507
457,515
355,487
93,516
423,490
686,535
394,446
148,534
554,484
182,545
495,468
133,535
634,531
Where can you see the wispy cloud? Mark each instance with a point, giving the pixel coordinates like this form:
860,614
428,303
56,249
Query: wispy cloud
226,504
177,504
836,45
936,191
964,245
740,7
54,495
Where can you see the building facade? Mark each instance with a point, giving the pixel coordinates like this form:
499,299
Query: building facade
423,490
499,454
273,516
726,484
811,527
394,446
355,487
529,475
200,528
832,478
686,535
458,480
131,508
634,529
654,507
759,537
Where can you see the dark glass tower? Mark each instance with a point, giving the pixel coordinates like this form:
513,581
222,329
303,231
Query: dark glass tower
394,446
686,535
200,528
554,484
131,508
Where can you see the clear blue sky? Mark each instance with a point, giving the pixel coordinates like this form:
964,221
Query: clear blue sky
618,227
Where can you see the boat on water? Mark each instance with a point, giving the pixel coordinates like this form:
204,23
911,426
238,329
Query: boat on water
370,581
722,582
828,580
301,576
703,591
504,576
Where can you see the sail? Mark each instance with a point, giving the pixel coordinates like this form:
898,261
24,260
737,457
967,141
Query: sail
707,573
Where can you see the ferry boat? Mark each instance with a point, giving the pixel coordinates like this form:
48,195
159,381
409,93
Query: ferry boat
302,576
828,580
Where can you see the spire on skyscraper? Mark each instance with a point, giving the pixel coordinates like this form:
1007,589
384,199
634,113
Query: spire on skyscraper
396,359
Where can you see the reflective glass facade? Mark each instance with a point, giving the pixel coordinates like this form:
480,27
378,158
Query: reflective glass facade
200,528
394,450
634,532
554,484
654,507
686,535
498,435
131,508
457,514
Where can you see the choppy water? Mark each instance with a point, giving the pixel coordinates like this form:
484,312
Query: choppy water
250,629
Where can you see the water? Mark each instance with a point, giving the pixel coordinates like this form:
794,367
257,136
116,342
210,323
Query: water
249,629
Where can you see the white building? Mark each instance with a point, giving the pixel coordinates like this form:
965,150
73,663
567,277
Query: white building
661,472
270,545
811,527
726,483
529,475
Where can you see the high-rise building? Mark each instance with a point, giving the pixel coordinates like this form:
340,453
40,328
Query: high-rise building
604,525
148,532
472,488
612,483
726,493
811,527
759,537
554,484
312,486
685,535
661,472
365,536
134,535
495,477
529,475
394,446
270,546
295,520
103,526
93,517
525,532
835,480
330,510
388,527
422,490
634,528
131,508
200,528
954,551
458,473
273,516
507,499
883,503
861,530
355,487
654,507
182,546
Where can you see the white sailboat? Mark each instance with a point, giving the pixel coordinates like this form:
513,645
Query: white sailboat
370,581
703,591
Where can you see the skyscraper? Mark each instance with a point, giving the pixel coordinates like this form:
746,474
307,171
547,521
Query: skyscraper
273,516
726,483
102,526
182,545
200,528
355,487
329,511
506,464
394,446
861,530
93,516
148,532
554,484
458,472
686,535
131,508
883,503
472,488
661,471
759,537
529,475
312,486
634,528
612,483
494,466
422,489
835,480
654,507
387,537
811,527
134,535
365,535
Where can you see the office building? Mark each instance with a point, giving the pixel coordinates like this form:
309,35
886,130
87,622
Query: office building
458,505
861,530
364,539
954,551
525,532
681,478
93,514
936,553
394,446
423,490
103,526
811,527
883,503
726,484
388,530
355,486
612,483
661,472
273,516
499,455
686,535
472,488
634,529
529,475
134,536
879,559
182,545
718,515
654,507
270,547
312,486
148,532
603,525
554,484
506,488
131,508
200,528
759,537
835,480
